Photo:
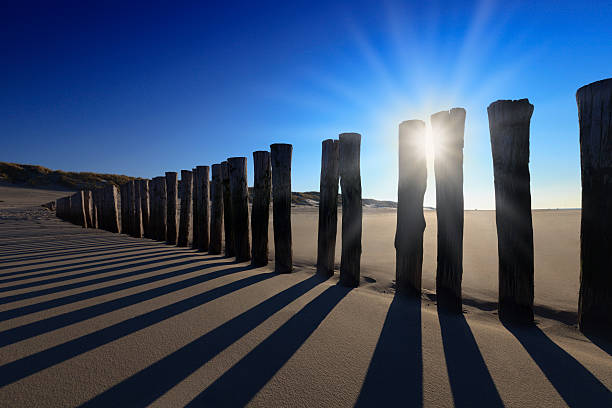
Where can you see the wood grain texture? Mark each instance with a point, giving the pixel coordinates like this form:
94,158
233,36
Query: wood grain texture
328,207
227,210
509,123
240,207
203,208
260,214
171,207
185,221
595,296
216,211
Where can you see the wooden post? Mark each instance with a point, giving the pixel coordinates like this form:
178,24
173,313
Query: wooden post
172,202
78,207
412,182
595,118
280,154
123,189
87,204
110,208
216,213
138,232
162,208
260,213
240,207
203,207
195,220
184,233
328,207
145,207
509,128
227,211
350,181
448,128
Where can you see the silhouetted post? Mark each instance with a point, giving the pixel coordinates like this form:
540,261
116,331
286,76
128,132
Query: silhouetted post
227,210
328,207
131,223
240,207
260,213
448,128
144,207
412,182
87,204
111,212
216,213
509,127
123,190
195,221
184,234
280,155
94,208
350,180
138,210
172,202
159,214
203,202
595,117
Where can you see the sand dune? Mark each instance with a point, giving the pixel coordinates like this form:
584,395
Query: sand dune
90,317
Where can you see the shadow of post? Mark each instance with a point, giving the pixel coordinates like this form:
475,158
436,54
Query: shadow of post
237,386
576,385
470,380
395,374
146,386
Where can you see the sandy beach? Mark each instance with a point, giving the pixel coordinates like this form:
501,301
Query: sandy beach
101,319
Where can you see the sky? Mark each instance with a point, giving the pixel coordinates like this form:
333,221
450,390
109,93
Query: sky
140,89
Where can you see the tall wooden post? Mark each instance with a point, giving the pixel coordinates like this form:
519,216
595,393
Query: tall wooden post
328,207
144,207
94,208
172,203
195,221
203,207
161,211
240,207
280,154
260,213
216,213
448,128
509,128
185,222
138,228
78,206
350,181
595,118
131,195
110,207
123,189
228,225
412,182
87,204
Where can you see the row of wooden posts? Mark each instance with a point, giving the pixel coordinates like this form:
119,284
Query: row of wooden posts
149,208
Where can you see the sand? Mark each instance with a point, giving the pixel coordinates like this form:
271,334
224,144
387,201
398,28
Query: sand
91,317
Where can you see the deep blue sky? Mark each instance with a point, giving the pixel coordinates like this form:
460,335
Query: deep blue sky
143,89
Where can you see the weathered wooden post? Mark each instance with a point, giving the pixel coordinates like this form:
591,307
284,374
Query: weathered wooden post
184,233
227,210
240,207
216,213
203,203
137,210
110,208
125,208
195,242
163,209
328,207
350,181
595,118
412,182
145,207
94,209
154,211
280,154
88,207
260,213
448,128
172,202
78,206
509,128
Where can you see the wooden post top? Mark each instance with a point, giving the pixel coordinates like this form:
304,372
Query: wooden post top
509,112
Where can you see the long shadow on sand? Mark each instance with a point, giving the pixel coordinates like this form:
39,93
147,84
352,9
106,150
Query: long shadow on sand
149,384
76,285
36,362
395,374
37,307
470,380
576,385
